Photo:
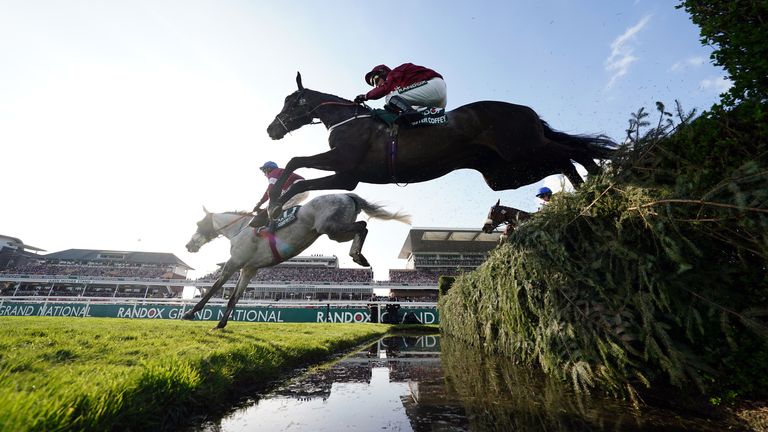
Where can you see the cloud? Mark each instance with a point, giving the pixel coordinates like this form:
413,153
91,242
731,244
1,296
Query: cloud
721,84
622,48
682,65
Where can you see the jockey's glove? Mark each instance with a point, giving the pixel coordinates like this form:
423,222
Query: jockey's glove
360,98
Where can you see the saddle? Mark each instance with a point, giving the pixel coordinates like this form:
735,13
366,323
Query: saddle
287,217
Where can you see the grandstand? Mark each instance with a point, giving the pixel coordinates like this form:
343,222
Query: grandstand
432,252
14,252
313,277
95,273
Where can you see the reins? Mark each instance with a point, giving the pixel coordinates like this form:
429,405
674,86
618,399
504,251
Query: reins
309,112
218,231
331,128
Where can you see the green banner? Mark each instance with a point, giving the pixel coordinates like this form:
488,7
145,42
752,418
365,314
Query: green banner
210,313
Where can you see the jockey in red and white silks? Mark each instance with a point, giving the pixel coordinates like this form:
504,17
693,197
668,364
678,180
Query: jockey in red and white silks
417,85
273,172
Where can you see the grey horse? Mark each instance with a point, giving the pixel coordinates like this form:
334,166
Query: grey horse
334,215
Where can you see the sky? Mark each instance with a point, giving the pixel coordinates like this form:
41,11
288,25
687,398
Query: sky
119,121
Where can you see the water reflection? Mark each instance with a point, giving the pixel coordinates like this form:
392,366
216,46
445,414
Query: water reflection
429,383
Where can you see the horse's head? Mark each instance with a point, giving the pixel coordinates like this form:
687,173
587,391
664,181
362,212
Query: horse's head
205,232
494,218
295,113
500,214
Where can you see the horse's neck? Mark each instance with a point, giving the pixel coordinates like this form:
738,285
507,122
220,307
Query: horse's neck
229,224
334,111
508,214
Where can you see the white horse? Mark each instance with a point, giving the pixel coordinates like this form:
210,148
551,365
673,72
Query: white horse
333,215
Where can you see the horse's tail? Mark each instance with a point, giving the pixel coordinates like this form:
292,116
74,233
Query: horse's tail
593,146
376,211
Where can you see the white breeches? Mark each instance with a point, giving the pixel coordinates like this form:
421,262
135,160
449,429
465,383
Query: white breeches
432,93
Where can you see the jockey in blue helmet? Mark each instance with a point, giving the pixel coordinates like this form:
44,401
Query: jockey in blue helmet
268,166
545,194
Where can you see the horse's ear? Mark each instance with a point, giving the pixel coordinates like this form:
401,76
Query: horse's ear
206,210
298,81
498,202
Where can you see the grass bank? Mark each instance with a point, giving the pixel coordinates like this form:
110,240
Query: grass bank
649,279
106,374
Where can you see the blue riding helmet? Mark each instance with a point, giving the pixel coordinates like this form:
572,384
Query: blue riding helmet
268,165
543,191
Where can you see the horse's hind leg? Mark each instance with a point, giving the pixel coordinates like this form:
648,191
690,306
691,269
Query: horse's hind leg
344,232
242,283
356,251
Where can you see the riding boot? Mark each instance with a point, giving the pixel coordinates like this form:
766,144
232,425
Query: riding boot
259,220
406,113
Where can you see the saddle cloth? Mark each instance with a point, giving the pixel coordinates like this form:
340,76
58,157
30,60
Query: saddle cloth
287,217
429,116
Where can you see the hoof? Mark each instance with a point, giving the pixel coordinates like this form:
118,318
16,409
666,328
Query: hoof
188,316
360,260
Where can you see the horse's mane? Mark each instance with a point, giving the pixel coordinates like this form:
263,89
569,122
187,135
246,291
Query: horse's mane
238,213
341,99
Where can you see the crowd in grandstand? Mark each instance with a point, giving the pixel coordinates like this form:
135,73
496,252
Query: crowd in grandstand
419,276
277,274
304,275
58,290
143,272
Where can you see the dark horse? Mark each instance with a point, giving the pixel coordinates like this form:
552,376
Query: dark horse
509,144
500,214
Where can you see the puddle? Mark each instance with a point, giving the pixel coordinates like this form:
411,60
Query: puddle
429,383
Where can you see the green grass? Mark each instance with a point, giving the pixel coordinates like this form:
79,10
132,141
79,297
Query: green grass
101,374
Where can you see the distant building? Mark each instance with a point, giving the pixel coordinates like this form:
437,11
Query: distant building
311,261
306,277
95,273
14,252
432,252
168,264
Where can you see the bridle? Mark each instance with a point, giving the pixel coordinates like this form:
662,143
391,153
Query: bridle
308,113
215,232
493,215
300,101
497,216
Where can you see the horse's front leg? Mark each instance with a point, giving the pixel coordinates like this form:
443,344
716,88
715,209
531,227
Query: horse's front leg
226,273
571,174
332,160
245,277
335,181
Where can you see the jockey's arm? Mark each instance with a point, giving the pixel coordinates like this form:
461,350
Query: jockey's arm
265,197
